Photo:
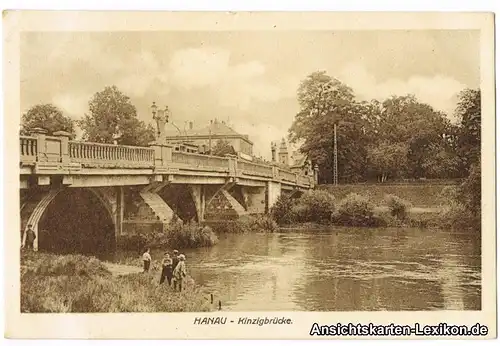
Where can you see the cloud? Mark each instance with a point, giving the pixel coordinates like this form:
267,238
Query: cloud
234,85
73,105
438,91
142,73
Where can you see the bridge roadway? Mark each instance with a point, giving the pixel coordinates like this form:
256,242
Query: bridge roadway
51,164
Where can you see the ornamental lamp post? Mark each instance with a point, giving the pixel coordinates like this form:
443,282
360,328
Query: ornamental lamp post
154,108
167,114
154,111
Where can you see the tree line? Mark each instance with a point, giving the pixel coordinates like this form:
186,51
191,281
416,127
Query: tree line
111,118
397,138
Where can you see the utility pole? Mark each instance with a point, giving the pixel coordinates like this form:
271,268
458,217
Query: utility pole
335,157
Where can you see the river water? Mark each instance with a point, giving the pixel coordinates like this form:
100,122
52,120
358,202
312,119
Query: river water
341,270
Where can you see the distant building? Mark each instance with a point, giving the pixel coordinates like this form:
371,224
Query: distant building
297,163
301,164
206,137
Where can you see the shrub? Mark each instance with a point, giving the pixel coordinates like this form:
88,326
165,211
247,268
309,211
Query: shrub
247,223
132,241
299,212
458,216
470,191
449,194
191,236
398,207
464,204
355,210
315,206
281,211
260,223
266,223
175,235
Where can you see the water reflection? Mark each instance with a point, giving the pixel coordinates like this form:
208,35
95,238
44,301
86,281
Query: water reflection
342,270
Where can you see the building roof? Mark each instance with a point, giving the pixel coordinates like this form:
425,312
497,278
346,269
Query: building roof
298,159
215,128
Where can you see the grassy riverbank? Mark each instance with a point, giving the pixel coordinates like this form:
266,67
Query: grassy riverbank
423,194
75,283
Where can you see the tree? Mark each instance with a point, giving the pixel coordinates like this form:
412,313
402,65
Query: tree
388,160
222,148
468,112
323,102
425,133
48,117
112,116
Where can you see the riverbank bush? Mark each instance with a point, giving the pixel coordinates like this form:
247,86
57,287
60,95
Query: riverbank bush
191,236
398,207
355,210
176,235
245,224
99,291
314,206
422,194
458,216
281,212
463,209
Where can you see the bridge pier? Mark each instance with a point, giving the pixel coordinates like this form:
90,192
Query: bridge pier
198,194
273,192
120,208
255,199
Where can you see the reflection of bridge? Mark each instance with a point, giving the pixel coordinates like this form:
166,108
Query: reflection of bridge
50,165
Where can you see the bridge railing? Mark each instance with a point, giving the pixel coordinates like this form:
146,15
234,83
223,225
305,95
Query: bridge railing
98,153
200,161
287,175
304,180
44,148
251,168
28,149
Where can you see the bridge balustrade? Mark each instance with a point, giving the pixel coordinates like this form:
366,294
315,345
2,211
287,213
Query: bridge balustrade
304,180
92,153
28,149
287,176
198,160
60,149
251,168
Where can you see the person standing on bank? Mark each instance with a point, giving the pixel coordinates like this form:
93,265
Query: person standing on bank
180,272
166,271
30,238
175,261
146,257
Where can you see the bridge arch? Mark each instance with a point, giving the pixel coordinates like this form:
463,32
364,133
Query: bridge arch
83,207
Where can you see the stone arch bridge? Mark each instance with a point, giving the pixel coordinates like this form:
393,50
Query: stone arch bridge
141,185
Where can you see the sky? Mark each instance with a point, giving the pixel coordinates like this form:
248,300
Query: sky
248,79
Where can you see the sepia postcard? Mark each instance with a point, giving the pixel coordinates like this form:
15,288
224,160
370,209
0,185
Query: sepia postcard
249,175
